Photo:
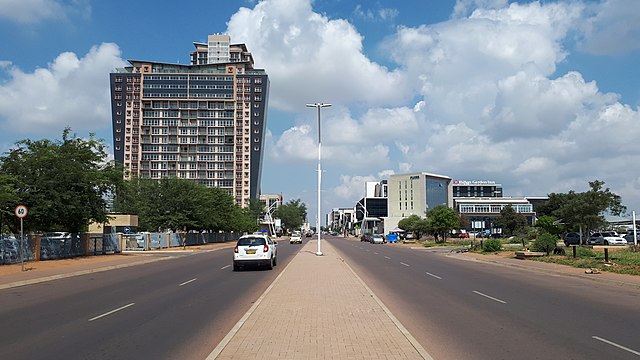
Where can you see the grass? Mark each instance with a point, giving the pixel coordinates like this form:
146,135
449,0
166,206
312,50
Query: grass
623,261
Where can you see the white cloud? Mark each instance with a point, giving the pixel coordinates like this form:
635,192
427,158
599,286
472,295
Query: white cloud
352,187
464,8
613,27
71,91
34,11
380,14
300,49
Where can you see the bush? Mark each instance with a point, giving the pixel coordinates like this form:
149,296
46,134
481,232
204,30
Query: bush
491,245
545,243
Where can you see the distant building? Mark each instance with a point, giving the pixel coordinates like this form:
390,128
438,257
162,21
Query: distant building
340,219
205,121
482,212
415,194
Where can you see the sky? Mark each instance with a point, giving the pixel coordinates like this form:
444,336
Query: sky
539,96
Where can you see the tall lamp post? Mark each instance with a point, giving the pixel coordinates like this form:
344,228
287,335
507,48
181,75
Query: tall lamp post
318,219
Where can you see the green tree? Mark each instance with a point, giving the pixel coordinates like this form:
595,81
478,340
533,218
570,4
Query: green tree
510,221
8,200
293,214
256,209
414,224
63,183
549,224
545,242
441,220
178,203
584,211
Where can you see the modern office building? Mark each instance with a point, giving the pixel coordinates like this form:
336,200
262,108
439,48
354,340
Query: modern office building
415,194
481,212
205,121
476,188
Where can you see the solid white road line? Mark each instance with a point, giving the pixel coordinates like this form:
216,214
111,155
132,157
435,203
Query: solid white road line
617,345
111,312
224,267
404,264
386,257
489,297
186,282
375,253
432,275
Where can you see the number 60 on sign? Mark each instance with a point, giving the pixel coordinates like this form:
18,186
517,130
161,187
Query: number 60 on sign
21,211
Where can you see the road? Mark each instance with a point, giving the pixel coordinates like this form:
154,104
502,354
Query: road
468,310
178,308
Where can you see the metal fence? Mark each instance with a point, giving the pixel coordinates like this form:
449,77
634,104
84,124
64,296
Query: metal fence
52,246
60,245
151,241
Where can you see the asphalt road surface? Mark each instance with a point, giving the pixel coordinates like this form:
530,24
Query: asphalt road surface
179,308
468,310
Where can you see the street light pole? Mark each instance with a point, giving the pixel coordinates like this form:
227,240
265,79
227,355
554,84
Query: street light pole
318,219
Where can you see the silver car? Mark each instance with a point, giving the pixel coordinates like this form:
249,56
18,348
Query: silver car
606,238
377,239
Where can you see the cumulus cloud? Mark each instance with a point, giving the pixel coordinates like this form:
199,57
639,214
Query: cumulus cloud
612,28
71,91
299,48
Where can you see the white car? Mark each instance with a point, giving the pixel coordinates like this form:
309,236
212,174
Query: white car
606,238
255,249
377,239
296,238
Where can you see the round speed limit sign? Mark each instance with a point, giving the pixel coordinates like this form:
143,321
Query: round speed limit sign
21,211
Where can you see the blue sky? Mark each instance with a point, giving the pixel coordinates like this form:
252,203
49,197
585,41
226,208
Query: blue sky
539,96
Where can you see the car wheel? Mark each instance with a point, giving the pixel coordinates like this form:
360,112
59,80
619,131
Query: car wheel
275,261
270,264
236,267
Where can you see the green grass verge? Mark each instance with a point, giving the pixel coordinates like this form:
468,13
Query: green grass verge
625,261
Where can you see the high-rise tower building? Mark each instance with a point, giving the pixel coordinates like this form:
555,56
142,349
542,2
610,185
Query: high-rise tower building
204,121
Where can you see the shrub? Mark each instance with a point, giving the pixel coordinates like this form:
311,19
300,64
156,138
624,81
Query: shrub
491,245
545,243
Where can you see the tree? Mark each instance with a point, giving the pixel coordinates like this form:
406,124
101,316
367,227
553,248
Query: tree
441,220
256,209
510,221
584,211
178,203
63,183
8,199
414,224
293,213
549,224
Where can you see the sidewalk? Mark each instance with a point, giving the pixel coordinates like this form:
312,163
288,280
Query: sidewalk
318,308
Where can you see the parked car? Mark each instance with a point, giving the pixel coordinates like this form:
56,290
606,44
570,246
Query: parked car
572,238
377,239
606,238
629,238
365,237
296,238
255,249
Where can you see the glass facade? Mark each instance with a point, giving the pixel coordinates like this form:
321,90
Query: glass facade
436,192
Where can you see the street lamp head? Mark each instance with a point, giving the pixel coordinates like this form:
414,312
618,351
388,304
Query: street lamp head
319,105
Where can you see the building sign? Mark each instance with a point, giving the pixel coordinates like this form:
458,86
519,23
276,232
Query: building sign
473,182
414,177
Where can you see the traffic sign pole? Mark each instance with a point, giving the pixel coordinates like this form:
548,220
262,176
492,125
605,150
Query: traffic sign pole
21,211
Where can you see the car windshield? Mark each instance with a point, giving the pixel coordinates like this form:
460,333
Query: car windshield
251,241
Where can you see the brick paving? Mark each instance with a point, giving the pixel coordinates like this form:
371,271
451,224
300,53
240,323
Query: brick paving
318,308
